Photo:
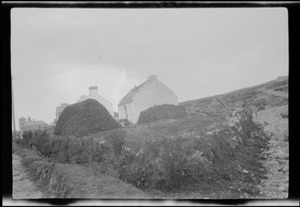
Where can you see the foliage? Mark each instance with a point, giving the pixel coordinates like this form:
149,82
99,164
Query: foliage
117,139
162,160
70,149
171,162
165,111
26,139
125,122
165,163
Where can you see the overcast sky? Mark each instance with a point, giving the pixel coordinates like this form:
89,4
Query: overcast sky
58,53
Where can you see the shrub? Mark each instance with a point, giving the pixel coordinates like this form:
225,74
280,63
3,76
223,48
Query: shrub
165,111
165,163
40,140
70,149
171,162
125,122
117,139
26,138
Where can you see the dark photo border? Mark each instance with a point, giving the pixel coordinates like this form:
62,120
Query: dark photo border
6,104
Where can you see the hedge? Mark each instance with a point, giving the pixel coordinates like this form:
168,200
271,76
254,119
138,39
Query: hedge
164,111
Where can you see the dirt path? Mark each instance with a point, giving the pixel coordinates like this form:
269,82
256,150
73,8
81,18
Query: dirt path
277,157
23,188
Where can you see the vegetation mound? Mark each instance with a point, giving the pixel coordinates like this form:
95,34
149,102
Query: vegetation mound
183,154
195,153
164,111
84,118
58,180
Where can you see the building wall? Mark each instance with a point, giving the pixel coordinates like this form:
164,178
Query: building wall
34,127
152,93
121,110
22,122
126,113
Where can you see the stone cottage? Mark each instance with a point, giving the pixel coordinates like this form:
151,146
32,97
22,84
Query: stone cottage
150,93
93,94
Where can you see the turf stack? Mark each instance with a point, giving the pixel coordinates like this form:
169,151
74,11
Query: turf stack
84,118
164,111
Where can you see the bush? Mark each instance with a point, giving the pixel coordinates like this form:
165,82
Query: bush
117,139
165,163
125,122
165,111
40,140
26,139
71,149
171,162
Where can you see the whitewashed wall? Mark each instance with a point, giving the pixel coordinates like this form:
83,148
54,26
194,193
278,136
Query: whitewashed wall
153,93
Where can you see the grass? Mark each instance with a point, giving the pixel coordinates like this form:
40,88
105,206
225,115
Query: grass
245,95
173,157
74,181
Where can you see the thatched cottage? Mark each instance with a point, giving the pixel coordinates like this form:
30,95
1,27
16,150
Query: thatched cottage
150,93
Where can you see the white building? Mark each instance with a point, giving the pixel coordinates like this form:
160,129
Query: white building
31,125
59,110
93,94
150,93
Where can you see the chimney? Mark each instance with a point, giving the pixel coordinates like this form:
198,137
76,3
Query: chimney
152,77
93,90
29,118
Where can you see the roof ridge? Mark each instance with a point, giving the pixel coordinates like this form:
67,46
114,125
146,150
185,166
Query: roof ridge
168,88
132,93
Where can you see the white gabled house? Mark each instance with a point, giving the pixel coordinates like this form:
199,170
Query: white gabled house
150,93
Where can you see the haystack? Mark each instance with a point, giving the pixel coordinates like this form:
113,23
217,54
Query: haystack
164,111
84,118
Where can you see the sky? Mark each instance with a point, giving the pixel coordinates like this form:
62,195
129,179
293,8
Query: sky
58,53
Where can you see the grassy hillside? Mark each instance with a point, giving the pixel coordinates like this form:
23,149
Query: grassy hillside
272,93
193,157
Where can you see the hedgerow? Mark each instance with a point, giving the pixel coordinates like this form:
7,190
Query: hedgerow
163,161
71,149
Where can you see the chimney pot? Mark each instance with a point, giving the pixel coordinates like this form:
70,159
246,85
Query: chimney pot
93,90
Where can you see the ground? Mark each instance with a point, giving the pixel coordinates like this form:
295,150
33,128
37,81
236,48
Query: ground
23,188
277,157
78,180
